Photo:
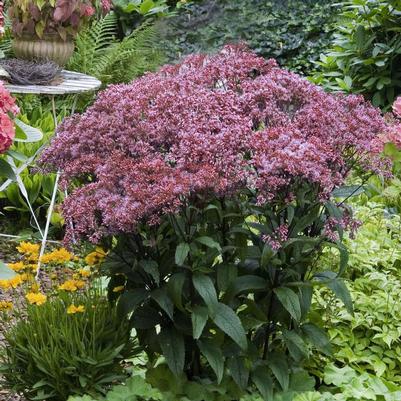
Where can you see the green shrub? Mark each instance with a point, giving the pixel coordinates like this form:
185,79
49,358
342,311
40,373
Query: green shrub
50,354
295,38
366,52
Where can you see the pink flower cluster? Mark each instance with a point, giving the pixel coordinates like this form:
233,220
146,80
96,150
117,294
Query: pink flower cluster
7,108
211,125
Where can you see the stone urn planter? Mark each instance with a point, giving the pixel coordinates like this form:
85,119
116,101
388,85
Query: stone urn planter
49,48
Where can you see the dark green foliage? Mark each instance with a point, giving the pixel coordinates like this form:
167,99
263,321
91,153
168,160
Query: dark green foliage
294,32
205,290
365,56
49,354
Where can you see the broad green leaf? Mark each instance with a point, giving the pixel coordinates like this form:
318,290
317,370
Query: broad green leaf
317,337
199,318
214,356
205,287
239,371
5,272
130,299
263,382
228,321
161,297
289,299
279,367
348,191
175,285
295,344
181,253
209,242
226,274
173,347
151,267
339,288
6,170
248,283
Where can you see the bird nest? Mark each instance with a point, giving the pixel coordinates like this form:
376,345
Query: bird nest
24,72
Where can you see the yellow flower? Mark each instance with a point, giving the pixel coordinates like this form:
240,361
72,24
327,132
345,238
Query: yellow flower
72,285
36,298
84,272
57,256
35,287
95,257
17,266
119,288
72,309
11,283
6,306
27,248
27,277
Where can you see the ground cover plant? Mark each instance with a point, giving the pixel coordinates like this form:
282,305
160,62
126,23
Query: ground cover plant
295,39
215,193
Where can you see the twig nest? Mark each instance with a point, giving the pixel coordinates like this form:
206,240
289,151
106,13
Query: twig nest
24,72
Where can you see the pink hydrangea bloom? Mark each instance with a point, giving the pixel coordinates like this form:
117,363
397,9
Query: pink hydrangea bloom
7,108
209,126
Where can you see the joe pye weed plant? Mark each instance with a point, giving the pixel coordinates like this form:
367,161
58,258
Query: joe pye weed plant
216,184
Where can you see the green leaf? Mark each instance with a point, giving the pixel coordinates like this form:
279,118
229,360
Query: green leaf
161,297
348,191
226,274
340,289
151,268
239,372
130,299
214,356
263,382
205,287
6,170
279,367
181,253
227,320
248,283
295,344
289,299
317,337
173,347
5,272
209,242
199,318
175,285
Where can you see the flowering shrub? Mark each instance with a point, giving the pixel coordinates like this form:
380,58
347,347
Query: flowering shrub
221,180
62,17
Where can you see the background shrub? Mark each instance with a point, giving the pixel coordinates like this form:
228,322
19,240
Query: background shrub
50,354
366,51
292,31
